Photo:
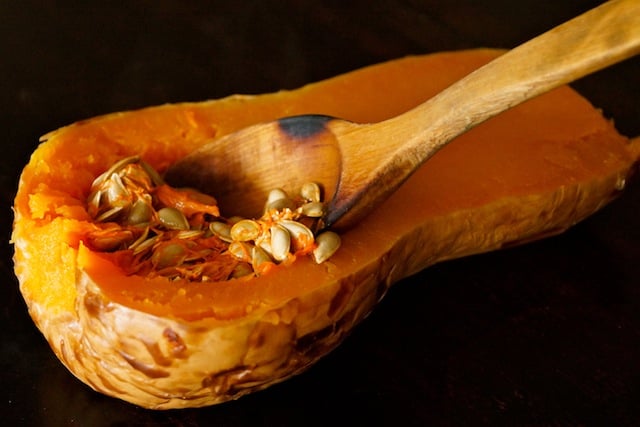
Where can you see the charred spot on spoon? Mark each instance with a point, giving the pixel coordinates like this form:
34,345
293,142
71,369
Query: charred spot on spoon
303,127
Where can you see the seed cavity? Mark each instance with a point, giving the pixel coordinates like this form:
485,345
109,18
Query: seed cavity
179,233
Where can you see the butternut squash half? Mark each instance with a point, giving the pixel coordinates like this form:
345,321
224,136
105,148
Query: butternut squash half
529,173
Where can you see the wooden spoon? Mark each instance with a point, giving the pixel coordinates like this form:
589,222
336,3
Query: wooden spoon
359,165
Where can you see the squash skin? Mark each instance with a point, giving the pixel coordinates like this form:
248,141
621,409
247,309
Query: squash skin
247,340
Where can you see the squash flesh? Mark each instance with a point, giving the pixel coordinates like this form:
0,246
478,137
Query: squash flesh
477,194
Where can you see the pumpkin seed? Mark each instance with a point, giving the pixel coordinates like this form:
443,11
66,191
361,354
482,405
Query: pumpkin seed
280,205
280,242
243,269
221,230
312,209
114,169
310,192
327,243
109,240
189,234
233,219
144,245
93,203
241,250
264,241
116,193
117,166
140,239
169,255
136,179
259,257
278,200
140,213
301,235
173,219
109,214
245,230
276,194
155,176
100,180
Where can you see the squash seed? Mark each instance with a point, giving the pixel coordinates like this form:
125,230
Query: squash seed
144,245
276,194
173,219
264,241
140,240
241,250
312,209
233,219
109,240
117,166
140,213
169,255
117,194
280,242
278,199
189,234
242,269
259,257
327,243
310,192
155,176
109,214
301,235
280,205
245,230
114,169
93,202
222,230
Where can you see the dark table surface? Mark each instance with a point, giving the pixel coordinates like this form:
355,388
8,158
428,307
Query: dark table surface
543,334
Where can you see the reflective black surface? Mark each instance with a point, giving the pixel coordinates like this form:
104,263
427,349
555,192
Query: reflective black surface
544,334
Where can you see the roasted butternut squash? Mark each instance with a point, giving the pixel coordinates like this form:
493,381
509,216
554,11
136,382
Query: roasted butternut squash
529,173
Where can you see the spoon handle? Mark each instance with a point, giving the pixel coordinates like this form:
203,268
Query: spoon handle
594,40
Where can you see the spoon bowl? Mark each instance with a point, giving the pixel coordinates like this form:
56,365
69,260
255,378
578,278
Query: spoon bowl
241,168
360,165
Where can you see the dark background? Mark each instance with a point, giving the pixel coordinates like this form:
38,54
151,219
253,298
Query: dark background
544,334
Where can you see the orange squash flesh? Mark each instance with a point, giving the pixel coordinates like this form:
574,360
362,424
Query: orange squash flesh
531,172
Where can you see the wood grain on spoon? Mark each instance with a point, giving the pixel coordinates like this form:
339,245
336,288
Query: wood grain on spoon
359,165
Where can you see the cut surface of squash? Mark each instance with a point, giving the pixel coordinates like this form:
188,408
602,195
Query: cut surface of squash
531,172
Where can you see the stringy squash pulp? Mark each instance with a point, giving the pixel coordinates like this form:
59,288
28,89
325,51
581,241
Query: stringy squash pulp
529,173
